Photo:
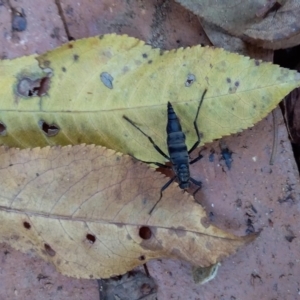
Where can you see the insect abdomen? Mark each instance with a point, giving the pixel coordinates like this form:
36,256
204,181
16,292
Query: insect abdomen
176,138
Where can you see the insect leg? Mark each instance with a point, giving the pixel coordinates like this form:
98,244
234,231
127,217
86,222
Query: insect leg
195,124
162,189
196,159
157,164
149,137
196,182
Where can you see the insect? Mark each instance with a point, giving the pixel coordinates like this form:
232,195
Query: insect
178,153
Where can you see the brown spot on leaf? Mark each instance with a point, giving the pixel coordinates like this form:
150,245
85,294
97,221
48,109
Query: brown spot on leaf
91,238
49,250
26,225
142,257
205,222
145,233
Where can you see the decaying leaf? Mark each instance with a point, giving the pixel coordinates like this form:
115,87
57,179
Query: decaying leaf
85,209
79,92
269,24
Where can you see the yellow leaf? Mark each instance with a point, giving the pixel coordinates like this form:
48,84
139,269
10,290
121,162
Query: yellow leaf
91,83
86,210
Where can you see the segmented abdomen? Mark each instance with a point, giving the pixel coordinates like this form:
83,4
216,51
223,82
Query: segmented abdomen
176,139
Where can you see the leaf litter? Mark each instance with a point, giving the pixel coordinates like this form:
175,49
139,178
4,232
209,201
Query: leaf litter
85,209
86,86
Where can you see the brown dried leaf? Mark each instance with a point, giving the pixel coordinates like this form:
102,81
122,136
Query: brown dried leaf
266,23
85,209
291,113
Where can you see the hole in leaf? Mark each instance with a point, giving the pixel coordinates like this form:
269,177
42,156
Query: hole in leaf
49,250
2,129
26,225
145,233
142,257
190,80
33,88
49,130
91,238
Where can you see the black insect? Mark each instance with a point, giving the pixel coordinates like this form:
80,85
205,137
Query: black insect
178,153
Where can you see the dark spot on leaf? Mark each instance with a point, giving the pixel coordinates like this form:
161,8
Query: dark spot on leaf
257,63
76,57
26,225
27,87
63,69
2,129
70,46
107,79
91,238
142,257
101,36
236,83
191,78
49,250
145,55
145,233
228,79
49,130
205,222
46,64
19,22
161,52
149,61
